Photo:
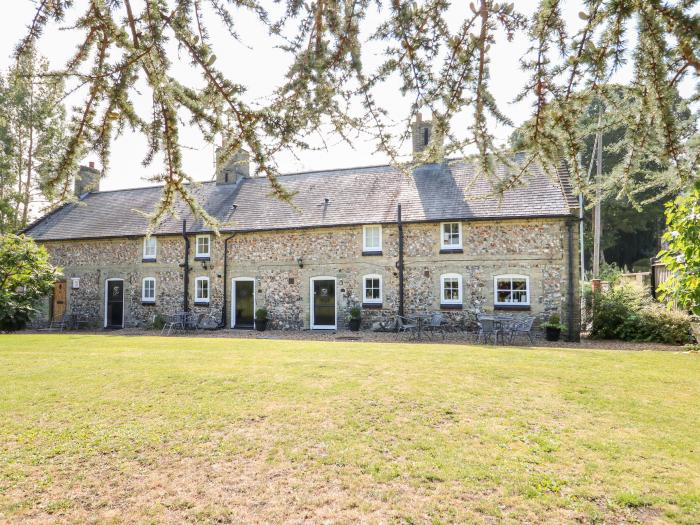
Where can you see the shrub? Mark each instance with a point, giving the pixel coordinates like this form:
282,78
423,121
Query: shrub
626,312
261,314
158,322
25,277
355,312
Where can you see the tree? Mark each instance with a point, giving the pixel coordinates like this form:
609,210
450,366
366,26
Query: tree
25,277
682,256
32,139
439,67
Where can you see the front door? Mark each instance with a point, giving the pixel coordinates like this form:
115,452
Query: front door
323,303
59,300
115,304
243,303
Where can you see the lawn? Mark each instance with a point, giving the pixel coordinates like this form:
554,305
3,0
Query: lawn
111,429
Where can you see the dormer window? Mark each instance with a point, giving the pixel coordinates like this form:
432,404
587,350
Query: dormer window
450,237
150,247
203,247
372,240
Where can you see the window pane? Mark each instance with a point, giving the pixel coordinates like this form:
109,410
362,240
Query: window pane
203,245
520,296
372,237
519,284
450,234
451,289
149,247
504,297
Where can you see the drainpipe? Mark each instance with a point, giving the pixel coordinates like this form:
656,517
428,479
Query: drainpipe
571,336
186,266
223,306
399,265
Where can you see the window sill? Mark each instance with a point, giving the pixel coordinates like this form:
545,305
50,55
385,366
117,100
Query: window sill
372,306
521,307
201,303
148,303
202,258
369,253
148,260
451,250
449,306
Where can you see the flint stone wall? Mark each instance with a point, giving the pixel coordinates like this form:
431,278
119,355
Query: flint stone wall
283,263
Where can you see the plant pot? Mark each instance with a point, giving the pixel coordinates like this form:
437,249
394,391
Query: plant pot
552,333
261,325
354,325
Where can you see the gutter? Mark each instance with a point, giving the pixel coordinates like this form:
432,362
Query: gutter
571,335
186,266
222,324
399,264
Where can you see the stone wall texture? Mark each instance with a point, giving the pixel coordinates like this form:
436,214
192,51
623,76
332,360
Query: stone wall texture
283,263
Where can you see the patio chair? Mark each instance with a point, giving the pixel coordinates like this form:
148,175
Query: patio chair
60,323
173,321
406,325
437,323
488,327
522,327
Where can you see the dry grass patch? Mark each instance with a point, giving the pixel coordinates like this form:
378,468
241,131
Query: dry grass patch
109,429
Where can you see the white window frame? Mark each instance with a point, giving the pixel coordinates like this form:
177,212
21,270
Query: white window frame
443,278
198,300
147,256
365,229
364,289
444,246
511,276
145,299
199,254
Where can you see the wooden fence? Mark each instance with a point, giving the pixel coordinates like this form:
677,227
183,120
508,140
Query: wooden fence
659,274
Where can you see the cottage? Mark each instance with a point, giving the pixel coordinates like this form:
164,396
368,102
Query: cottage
370,237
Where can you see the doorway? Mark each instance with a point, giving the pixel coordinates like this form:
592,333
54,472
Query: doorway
243,303
58,305
114,303
323,303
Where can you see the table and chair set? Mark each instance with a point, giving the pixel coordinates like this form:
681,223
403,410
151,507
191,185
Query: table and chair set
487,327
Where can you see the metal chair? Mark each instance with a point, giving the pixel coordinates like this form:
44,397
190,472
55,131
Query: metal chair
522,327
173,321
437,324
60,323
406,325
488,327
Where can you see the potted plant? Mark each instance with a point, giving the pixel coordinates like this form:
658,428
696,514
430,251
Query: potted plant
261,319
553,328
355,318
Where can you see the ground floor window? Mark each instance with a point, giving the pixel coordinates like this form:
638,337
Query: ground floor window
512,290
451,288
372,289
201,290
148,290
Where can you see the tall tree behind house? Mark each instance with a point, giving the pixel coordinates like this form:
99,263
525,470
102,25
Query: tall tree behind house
32,139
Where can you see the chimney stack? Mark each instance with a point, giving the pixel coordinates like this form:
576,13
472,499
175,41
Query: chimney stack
421,133
87,179
235,169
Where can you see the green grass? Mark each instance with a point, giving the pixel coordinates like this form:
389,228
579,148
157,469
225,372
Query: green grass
110,429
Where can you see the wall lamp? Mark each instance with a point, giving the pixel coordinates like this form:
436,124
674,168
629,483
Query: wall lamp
300,262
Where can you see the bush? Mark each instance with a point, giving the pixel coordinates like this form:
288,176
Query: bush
626,312
158,322
261,314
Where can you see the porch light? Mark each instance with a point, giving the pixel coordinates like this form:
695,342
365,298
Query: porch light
300,262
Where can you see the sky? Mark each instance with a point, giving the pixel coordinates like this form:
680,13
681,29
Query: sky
260,66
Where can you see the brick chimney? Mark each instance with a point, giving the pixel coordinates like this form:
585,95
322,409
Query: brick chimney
233,170
421,132
87,179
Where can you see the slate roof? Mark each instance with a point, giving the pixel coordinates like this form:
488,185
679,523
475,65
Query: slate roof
354,196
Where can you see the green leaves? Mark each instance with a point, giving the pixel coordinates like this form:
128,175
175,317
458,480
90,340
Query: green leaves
25,277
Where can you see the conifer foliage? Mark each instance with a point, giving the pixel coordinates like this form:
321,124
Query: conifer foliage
439,66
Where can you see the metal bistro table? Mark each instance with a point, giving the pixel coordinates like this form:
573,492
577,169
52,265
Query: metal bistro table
498,325
421,320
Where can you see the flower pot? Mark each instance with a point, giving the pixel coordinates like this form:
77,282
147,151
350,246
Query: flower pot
354,324
261,325
552,333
